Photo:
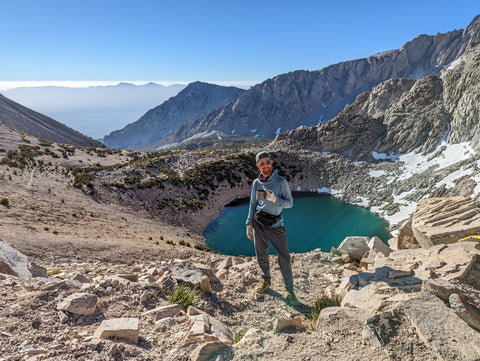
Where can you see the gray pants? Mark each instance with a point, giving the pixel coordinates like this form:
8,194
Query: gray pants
278,238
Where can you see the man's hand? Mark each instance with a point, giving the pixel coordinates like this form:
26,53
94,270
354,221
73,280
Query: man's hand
271,196
250,232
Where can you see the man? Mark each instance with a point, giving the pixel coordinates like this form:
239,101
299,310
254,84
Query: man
270,194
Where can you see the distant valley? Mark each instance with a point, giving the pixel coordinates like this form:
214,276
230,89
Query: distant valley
97,110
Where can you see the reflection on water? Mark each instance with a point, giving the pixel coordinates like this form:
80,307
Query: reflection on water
318,221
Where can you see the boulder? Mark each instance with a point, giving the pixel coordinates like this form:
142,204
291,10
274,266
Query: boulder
122,328
208,351
445,220
441,329
167,282
190,275
171,310
282,323
376,244
13,262
469,313
439,287
425,317
226,263
206,328
355,247
79,304
405,238
37,270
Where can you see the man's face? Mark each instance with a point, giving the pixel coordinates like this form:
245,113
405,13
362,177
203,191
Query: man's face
265,165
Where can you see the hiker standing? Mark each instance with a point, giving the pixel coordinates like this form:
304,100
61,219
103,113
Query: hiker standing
270,195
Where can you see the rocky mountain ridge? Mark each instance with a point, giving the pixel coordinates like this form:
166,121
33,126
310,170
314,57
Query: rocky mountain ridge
26,120
196,99
306,98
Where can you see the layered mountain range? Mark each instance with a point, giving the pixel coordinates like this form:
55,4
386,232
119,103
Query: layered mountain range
26,120
196,99
306,98
403,115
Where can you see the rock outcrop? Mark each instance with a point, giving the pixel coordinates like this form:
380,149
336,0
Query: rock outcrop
441,221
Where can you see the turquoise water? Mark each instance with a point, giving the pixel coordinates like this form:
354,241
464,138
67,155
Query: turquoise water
313,222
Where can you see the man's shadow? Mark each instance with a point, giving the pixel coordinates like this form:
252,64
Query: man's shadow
301,307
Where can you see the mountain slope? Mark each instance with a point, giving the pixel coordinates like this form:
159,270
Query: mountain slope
311,97
402,115
196,99
26,120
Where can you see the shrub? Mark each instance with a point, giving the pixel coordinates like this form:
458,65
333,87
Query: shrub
54,272
185,296
4,202
201,247
239,336
320,304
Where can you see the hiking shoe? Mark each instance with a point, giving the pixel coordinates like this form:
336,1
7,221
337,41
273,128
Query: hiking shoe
292,299
263,287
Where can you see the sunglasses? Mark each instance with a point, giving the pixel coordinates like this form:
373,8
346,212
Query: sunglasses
268,162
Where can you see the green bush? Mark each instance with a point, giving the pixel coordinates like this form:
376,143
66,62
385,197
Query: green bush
53,272
319,305
4,202
185,296
239,336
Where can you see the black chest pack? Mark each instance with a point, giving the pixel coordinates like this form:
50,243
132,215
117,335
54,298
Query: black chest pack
267,219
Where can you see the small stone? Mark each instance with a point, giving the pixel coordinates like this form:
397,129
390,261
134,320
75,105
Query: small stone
79,303
122,328
62,317
283,323
397,274
129,276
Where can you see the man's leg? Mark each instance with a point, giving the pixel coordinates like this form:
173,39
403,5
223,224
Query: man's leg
278,238
261,249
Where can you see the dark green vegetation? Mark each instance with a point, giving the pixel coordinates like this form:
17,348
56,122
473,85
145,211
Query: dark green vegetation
319,305
185,296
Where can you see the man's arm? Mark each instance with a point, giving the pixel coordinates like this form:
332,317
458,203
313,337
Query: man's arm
252,206
284,199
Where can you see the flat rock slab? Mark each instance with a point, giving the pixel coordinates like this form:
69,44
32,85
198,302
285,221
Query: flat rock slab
445,220
441,329
79,304
122,328
449,261
190,275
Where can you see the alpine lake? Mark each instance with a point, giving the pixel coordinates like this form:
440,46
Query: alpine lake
314,221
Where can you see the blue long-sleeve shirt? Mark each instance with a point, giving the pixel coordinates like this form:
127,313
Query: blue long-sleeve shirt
279,186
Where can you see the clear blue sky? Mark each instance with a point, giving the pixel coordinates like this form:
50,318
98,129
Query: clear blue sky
207,40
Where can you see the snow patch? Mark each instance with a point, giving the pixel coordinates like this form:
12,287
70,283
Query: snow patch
392,156
449,180
233,131
253,130
454,63
449,154
278,130
324,190
376,173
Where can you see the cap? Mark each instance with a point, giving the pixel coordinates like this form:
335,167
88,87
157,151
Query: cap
262,154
